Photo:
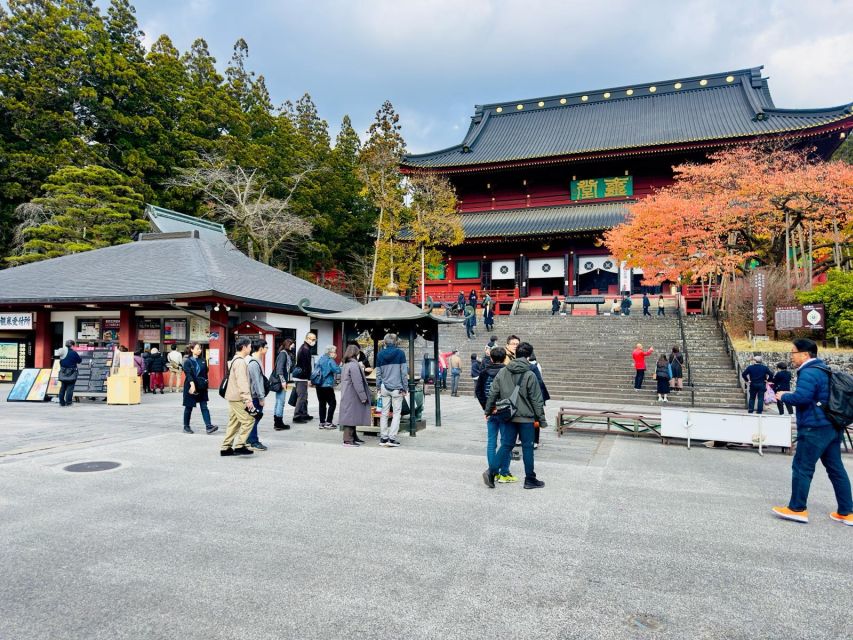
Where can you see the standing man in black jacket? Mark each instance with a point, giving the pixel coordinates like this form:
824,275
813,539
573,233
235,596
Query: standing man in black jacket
757,374
303,369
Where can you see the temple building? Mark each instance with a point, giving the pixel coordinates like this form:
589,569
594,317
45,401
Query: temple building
539,180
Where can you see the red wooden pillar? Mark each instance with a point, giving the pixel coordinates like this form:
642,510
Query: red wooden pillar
126,334
43,352
218,328
338,339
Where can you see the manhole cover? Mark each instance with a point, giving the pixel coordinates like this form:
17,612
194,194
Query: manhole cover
99,465
645,622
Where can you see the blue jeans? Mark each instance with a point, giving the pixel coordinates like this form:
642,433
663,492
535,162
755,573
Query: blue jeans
205,414
66,393
454,381
280,397
509,432
824,444
493,427
253,434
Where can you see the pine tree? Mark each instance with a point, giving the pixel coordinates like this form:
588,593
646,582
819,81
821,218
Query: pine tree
85,208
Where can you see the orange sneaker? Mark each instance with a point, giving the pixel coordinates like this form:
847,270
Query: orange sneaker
788,514
848,519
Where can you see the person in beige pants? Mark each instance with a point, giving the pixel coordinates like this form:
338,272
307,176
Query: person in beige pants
239,396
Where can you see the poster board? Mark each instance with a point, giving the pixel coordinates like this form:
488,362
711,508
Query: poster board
199,329
39,388
148,330
54,385
110,328
22,385
93,371
13,357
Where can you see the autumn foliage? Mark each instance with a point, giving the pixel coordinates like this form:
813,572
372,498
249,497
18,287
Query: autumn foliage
776,207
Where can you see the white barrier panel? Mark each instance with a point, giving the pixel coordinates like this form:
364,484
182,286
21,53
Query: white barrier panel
765,430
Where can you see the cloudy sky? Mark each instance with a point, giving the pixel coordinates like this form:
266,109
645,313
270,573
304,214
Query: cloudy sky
435,59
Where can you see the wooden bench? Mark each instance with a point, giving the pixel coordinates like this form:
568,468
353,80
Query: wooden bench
573,300
616,422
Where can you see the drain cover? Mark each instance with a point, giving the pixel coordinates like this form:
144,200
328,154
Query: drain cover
98,465
645,622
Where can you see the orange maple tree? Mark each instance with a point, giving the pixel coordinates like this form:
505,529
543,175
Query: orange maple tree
775,206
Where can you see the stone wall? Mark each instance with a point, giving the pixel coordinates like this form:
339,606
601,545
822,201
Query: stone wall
840,360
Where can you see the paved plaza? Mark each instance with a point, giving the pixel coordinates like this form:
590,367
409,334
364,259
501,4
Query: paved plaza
628,539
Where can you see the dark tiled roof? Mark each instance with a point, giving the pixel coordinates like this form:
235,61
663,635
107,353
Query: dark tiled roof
163,269
537,221
735,104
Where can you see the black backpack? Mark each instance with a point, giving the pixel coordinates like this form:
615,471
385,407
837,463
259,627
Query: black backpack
839,409
263,377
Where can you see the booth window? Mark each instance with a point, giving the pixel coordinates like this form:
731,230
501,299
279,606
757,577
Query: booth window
467,269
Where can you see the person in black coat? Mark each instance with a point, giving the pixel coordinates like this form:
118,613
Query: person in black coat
472,298
757,375
782,382
555,305
646,304
146,371
195,388
156,369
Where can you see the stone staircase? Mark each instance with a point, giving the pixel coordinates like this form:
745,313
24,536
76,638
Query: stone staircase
588,358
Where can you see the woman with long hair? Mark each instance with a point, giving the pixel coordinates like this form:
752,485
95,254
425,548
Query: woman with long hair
676,362
355,397
195,388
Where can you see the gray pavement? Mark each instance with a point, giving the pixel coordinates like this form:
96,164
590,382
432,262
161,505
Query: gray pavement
628,539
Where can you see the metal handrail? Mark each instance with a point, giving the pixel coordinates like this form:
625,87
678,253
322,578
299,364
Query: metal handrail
686,356
730,349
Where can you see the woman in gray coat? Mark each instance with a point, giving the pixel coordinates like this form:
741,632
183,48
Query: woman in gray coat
355,406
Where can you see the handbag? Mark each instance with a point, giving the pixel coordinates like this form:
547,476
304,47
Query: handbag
68,374
292,399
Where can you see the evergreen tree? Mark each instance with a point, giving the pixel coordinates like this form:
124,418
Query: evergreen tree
85,208
379,166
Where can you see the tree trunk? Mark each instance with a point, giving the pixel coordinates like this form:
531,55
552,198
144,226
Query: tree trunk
423,280
372,289
788,247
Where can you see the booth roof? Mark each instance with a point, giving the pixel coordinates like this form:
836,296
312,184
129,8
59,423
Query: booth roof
163,268
387,309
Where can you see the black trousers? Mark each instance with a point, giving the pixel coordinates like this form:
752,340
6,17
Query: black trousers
328,403
784,405
756,399
638,378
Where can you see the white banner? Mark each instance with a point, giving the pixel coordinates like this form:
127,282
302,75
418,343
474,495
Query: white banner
546,267
624,278
593,263
503,270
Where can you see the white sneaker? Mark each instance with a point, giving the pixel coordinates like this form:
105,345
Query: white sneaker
392,443
665,399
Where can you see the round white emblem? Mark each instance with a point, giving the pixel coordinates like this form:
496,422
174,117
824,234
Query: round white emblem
813,316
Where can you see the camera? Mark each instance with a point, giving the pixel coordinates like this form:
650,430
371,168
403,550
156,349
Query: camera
253,412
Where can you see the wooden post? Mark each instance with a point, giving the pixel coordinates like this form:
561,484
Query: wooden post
412,425
436,380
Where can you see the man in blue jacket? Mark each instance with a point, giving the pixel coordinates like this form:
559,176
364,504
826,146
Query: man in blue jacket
757,374
391,374
817,439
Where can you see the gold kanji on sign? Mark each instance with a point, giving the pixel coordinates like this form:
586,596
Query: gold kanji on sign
587,189
615,187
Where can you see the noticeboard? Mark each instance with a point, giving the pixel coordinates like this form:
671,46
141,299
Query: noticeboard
807,316
93,371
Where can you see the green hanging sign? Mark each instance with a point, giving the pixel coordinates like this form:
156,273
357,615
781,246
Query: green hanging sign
595,188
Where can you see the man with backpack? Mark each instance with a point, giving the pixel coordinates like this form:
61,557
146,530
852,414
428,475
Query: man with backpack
260,388
817,437
516,399
495,472
301,374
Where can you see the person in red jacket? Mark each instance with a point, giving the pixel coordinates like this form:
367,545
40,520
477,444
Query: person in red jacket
640,364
